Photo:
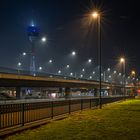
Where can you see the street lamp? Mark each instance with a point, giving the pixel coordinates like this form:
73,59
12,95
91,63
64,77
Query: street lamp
89,60
24,53
96,15
59,72
93,72
43,39
122,61
68,66
108,69
50,61
83,70
90,77
81,75
40,68
71,74
19,66
133,73
73,53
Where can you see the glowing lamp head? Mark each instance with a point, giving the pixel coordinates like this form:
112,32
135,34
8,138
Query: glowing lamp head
68,66
108,69
50,61
40,68
19,64
90,77
73,53
122,60
83,70
71,74
89,60
59,72
115,72
133,72
24,53
109,76
43,39
95,14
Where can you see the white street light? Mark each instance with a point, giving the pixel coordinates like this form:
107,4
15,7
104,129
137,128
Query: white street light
122,61
90,77
93,72
81,75
43,39
71,74
40,68
50,61
120,74
19,64
89,60
24,53
73,53
115,72
83,70
68,66
59,71
108,69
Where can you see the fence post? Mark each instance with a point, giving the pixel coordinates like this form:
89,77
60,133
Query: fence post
90,103
69,106
52,109
81,104
22,114
0,116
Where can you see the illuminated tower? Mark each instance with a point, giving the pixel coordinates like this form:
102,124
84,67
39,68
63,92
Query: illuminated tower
33,33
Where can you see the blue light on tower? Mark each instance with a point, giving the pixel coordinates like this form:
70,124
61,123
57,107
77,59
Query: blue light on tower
33,33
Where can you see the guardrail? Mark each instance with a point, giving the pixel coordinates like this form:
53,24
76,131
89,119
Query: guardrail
22,113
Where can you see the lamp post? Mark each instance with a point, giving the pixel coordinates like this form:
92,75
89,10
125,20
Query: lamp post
122,61
19,67
97,16
133,75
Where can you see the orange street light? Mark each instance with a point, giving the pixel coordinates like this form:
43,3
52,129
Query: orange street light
122,60
95,14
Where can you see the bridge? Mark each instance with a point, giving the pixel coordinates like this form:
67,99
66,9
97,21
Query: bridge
13,80
53,81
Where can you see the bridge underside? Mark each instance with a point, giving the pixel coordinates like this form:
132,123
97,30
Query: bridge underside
11,80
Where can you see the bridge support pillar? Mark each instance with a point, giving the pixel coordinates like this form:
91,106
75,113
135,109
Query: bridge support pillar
67,93
95,92
61,92
18,89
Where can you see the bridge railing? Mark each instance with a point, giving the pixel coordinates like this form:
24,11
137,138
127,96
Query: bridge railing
20,114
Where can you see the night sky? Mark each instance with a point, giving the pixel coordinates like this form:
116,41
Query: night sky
65,24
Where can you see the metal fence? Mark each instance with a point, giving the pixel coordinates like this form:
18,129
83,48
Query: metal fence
23,113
